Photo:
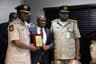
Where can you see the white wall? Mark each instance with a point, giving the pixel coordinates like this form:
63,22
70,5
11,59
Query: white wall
7,6
38,5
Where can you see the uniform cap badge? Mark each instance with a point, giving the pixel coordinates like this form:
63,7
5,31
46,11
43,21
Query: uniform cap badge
25,7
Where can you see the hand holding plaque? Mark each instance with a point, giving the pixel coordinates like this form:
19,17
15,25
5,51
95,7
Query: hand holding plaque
37,39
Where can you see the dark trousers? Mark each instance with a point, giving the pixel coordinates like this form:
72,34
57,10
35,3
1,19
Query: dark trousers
39,56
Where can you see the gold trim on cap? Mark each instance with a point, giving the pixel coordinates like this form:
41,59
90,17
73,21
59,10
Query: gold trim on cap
64,11
26,11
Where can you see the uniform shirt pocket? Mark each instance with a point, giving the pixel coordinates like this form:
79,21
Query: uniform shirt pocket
69,33
22,32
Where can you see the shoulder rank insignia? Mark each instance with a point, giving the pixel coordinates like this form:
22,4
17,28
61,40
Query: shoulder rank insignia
11,28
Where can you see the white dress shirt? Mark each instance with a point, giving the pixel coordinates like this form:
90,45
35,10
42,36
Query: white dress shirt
27,24
44,34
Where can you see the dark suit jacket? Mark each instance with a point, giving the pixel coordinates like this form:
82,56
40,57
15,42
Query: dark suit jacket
43,56
3,41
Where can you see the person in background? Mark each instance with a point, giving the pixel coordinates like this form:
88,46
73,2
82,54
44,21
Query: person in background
93,48
19,46
28,22
12,16
41,54
4,37
66,37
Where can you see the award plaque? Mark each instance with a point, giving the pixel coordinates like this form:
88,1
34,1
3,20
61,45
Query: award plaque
37,39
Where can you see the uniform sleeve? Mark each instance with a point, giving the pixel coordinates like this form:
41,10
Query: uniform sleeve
76,31
91,46
91,51
51,28
13,33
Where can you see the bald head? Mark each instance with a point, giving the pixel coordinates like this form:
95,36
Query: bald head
41,21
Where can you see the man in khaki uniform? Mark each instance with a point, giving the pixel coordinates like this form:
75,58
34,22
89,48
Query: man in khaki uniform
92,47
66,37
19,46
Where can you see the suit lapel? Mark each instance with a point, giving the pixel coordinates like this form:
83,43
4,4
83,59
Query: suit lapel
47,34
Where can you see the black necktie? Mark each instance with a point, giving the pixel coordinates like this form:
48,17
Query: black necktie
41,32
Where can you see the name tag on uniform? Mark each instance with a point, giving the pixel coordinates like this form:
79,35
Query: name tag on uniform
68,35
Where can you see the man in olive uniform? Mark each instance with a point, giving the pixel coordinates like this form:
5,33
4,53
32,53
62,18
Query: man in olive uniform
66,37
19,46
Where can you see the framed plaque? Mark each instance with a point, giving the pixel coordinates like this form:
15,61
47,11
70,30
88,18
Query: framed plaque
37,39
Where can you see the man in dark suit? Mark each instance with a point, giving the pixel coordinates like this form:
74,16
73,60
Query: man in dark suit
4,37
40,55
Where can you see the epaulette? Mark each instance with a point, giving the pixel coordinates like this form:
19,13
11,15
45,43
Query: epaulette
54,21
71,20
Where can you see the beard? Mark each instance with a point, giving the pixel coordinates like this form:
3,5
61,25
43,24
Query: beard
63,19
